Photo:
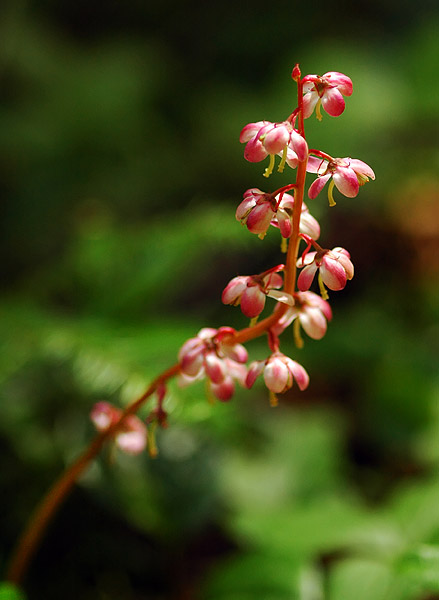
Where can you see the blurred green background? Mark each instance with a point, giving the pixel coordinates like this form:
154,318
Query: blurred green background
120,174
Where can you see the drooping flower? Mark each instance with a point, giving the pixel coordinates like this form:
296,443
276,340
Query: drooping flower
279,372
251,291
326,91
132,435
212,354
312,312
259,210
334,265
264,138
348,174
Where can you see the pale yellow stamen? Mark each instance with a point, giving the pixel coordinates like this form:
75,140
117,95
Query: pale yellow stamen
281,166
269,170
254,321
323,292
273,399
332,202
284,245
318,112
151,441
296,331
262,235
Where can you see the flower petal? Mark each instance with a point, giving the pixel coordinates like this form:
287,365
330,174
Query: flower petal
224,390
249,131
316,187
281,297
346,181
299,145
255,151
343,82
306,277
259,219
361,167
333,274
276,139
252,301
254,371
310,100
333,102
234,289
277,376
215,368
313,322
299,373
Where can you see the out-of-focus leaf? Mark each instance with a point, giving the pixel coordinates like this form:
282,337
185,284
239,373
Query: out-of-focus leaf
10,592
254,576
360,579
421,568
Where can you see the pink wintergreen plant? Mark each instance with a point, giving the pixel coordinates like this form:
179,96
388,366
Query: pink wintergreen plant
327,91
310,311
251,291
259,210
132,436
212,354
279,371
335,268
218,354
348,174
264,138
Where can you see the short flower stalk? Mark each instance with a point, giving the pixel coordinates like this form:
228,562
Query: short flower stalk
218,355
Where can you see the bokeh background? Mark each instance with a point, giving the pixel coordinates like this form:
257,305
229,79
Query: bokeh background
120,174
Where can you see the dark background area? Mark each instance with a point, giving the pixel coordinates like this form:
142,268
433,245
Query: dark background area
120,172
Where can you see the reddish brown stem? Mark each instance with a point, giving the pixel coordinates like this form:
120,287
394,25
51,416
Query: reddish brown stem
293,246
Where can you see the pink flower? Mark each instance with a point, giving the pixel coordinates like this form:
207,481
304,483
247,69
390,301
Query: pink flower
264,138
327,91
259,210
312,312
131,437
347,175
279,371
250,291
211,354
335,268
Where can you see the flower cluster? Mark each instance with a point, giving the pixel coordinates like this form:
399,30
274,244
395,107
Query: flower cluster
212,354
131,437
259,210
264,138
218,354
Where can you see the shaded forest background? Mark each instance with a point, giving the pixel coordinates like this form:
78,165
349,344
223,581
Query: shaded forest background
120,171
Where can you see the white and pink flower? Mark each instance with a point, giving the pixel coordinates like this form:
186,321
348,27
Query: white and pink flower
210,354
250,291
348,174
259,210
279,372
132,435
326,91
264,138
334,265
312,311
